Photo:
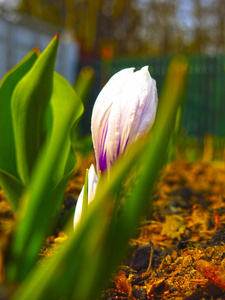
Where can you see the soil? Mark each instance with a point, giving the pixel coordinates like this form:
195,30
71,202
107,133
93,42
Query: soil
179,253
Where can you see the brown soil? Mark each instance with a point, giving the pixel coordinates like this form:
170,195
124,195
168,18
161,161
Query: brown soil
180,252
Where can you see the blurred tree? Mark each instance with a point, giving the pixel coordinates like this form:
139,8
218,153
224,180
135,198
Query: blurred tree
137,27
218,28
95,23
52,11
160,26
199,34
209,26
117,27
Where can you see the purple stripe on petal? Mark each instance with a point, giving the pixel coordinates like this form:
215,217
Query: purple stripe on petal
102,162
101,146
118,148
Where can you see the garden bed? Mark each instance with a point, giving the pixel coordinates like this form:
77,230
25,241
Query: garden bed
185,239
183,236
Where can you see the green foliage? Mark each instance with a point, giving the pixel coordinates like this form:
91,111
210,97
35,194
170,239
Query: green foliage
34,102
9,177
29,102
84,82
39,109
81,268
172,147
42,202
82,86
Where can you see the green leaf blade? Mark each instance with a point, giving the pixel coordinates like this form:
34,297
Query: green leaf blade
30,100
7,86
41,202
12,188
84,83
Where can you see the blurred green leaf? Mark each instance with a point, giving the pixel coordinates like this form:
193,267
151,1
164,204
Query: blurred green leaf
29,102
84,82
83,145
82,86
67,220
172,147
12,187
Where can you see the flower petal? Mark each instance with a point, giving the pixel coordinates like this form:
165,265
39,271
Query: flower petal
101,110
124,110
92,186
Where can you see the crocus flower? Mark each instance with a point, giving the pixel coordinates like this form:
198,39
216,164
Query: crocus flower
124,110
92,185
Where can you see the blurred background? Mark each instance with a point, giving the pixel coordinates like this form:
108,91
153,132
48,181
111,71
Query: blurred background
109,35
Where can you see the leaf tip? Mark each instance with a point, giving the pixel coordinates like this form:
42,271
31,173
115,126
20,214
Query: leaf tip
36,49
57,35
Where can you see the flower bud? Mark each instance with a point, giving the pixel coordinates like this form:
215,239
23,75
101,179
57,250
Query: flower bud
124,110
92,185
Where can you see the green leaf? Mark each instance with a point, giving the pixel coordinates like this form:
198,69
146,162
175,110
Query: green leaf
12,188
172,147
83,145
84,83
9,178
62,100
63,97
36,214
30,100
7,86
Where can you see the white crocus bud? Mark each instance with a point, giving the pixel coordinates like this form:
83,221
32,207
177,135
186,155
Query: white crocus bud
92,185
124,110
